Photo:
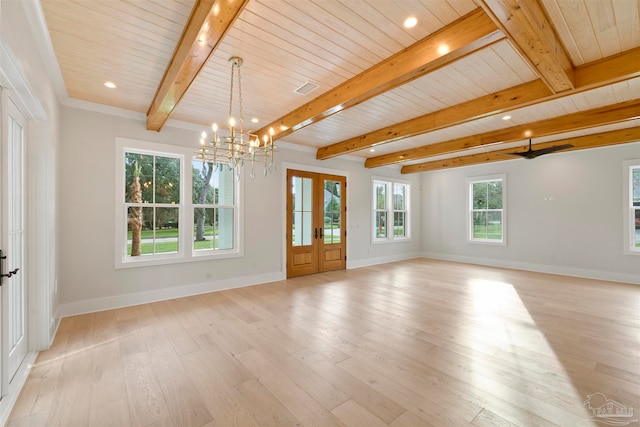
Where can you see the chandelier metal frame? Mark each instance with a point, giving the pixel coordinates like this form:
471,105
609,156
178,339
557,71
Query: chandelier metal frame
238,146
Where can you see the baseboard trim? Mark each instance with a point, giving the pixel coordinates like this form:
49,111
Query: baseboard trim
540,268
127,300
383,260
19,380
137,298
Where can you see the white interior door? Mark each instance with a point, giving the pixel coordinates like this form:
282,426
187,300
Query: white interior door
12,238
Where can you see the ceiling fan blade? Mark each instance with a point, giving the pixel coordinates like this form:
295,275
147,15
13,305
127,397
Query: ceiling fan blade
520,153
532,154
552,149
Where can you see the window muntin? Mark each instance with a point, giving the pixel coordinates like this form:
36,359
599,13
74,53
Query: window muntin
486,213
302,191
152,202
390,201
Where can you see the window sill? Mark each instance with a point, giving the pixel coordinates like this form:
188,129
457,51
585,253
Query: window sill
148,261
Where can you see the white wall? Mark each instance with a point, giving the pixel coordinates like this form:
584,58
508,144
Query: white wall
88,279
564,214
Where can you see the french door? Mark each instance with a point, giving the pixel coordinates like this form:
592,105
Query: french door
316,223
12,242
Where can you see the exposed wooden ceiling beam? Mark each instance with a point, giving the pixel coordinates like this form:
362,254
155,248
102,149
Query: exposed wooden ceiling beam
526,25
615,68
621,136
466,35
474,109
210,20
581,120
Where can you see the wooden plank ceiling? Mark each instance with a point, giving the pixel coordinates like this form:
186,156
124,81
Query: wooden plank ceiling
426,98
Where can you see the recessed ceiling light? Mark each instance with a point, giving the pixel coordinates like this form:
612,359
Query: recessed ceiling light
110,85
410,22
254,120
507,117
372,150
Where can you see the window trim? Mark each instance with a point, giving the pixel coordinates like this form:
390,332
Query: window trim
186,253
390,210
627,208
487,178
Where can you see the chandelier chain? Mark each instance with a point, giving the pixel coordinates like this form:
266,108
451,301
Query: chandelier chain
240,103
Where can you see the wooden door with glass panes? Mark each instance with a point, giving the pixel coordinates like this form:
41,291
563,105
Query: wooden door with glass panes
316,223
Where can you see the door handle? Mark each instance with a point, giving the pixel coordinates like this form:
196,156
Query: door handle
321,234
10,273
316,233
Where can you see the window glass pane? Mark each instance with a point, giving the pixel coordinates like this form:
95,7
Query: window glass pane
399,196
398,224
306,228
167,184
307,195
166,232
380,195
224,225
494,194
135,224
140,235
138,178
296,231
224,184
381,224
332,235
480,225
479,195
331,211
201,183
203,229
637,227
494,225
635,179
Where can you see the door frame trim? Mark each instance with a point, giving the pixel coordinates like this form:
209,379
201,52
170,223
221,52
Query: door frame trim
307,168
41,326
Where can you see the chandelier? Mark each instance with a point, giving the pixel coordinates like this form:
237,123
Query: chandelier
238,147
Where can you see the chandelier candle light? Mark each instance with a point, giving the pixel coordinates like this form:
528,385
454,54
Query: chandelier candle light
239,146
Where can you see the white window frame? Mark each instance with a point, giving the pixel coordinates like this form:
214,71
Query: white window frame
389,209
470,228
628,208
186,253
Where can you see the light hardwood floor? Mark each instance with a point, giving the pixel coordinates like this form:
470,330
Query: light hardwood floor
412,343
